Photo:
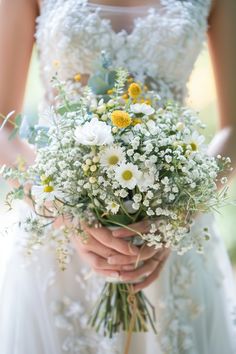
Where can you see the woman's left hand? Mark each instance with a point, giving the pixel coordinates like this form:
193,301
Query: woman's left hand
152,259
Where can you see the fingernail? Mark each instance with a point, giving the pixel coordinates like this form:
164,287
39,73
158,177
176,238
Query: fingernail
116,233
115,274
111,260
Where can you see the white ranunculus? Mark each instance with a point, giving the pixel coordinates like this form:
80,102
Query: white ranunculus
94,132
142,108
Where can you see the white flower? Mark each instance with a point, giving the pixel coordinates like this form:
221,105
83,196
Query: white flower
45,193
146,181
94,132
142,108
127,175
195,141
113,207
112,156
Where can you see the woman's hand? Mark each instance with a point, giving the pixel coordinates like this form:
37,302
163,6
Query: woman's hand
153,260
100,245
109,255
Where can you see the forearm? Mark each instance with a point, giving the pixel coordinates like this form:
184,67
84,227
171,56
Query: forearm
12,150
224,144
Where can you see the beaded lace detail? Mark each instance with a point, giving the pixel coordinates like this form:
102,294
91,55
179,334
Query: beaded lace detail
163,44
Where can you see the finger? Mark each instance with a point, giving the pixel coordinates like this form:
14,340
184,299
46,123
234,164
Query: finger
154,275
121,260
107,273
104,236
139,227
145,253
98,263
94,246
163,253
147,268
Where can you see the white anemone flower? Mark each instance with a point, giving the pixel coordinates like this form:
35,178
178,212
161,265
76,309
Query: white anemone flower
112,156
45,193
142,108
113,207
127,175
195,141
94,132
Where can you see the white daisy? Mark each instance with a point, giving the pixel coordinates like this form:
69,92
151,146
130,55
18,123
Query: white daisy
113,207
112,156
195,141
142,108
127,175
45,193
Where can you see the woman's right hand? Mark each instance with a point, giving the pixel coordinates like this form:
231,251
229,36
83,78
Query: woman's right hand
99,245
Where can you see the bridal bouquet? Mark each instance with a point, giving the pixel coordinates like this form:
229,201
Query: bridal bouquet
115,154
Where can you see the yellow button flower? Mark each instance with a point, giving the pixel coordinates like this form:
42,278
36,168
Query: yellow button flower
110,91
125,96
120,119
134,90
77,77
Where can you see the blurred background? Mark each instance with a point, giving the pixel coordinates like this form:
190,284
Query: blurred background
202,98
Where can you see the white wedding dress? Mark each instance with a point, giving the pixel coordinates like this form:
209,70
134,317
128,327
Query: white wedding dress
44,310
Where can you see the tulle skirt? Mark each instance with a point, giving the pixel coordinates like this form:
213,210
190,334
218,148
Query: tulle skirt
44,310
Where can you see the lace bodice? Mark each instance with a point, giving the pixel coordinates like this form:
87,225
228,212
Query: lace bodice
163,43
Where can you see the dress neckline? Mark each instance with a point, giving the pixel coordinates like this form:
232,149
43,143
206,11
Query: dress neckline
145,10
126,9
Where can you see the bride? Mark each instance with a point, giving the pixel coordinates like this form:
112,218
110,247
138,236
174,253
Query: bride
44,310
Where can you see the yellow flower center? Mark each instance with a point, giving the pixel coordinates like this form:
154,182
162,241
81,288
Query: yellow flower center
134,90
77,77
194,146
48,189
113,160
127,175
120,119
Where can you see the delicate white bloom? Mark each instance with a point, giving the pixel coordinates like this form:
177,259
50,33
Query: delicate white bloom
94,132
195,141
145,181
136,206
137,198
168,158
113,207
127,175
180,126
123,193
112,156
45,193
224,180
142,108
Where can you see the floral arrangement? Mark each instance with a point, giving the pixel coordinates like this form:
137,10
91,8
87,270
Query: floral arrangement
115,154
